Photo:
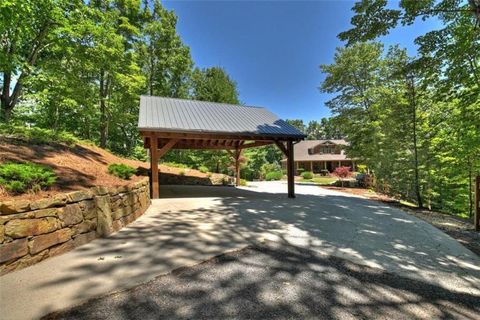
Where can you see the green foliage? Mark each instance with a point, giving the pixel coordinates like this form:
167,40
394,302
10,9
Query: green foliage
307,175
418,142
214,84
38,135
81,66
243,182
327,128
176,165
22,177
297,123
181,172
274,175
139,153
362,168
121,170
203,169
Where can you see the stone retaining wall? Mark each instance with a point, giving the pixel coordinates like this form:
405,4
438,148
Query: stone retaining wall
31,231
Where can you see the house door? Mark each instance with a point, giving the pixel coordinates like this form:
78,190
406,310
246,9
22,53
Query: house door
329,166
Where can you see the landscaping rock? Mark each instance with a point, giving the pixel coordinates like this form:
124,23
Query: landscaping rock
45,241
47,203
13,250
70,215
50,212
122,212
24,262
78,196
99,190
104,216
2,233
85,226
84,238
117,225
20,228
9,207
61,248
89,210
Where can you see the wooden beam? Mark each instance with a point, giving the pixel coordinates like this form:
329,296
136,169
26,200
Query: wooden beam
154,168
281,146
167,147
255,144
238,152
219,135
477,204
290,170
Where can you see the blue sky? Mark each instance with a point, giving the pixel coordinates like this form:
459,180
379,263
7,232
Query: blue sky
273,49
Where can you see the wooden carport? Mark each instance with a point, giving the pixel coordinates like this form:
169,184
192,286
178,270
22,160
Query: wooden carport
166,124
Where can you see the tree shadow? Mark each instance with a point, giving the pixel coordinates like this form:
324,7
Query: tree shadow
264,282
193,223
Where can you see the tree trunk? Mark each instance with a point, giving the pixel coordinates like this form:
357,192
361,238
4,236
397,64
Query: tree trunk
470,188
415,144
5,97
103,112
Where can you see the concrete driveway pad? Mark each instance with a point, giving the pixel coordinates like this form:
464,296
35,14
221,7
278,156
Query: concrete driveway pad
193,223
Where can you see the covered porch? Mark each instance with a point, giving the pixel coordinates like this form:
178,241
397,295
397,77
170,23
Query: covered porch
320,166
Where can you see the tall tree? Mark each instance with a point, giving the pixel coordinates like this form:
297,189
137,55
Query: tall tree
297,123
27,28
165,59
214,84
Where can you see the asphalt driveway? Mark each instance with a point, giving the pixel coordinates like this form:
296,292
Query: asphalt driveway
191,224
279,282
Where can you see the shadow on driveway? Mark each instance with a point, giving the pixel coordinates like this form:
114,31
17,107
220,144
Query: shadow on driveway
279,282
192,224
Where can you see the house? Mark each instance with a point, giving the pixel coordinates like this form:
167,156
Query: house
318,155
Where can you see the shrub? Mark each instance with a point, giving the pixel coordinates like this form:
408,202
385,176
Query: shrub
121,170
274,175
362,168
21,177
139,153
342,173
176,165
307,175
243,182
268,167
203,169
181,172
324,172
300,171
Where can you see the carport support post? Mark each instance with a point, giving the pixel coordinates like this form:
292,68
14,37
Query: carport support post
290,170
238,152
154,166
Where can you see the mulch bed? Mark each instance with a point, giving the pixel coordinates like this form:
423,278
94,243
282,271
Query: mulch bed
460,229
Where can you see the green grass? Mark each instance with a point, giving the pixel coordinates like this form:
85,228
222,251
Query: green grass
321,180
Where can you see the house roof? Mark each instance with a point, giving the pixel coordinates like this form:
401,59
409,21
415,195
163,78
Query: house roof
179,115
301,151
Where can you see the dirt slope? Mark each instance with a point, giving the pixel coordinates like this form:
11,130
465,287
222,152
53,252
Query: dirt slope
78,167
